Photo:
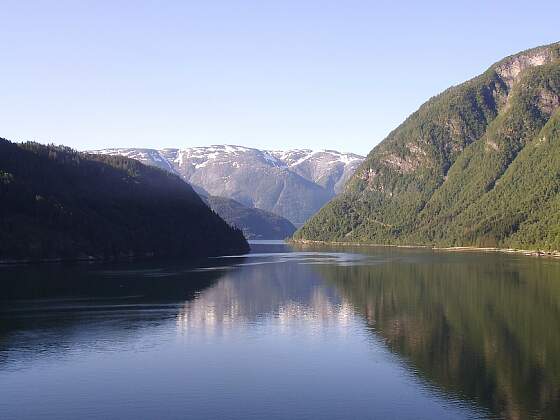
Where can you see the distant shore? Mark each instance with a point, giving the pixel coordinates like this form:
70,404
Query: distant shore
527,252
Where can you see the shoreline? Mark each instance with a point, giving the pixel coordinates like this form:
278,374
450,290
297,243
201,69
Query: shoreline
91,259
514,251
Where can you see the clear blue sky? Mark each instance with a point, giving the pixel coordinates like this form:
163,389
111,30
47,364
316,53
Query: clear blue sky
270,74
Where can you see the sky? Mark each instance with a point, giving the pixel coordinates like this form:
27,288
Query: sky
267,74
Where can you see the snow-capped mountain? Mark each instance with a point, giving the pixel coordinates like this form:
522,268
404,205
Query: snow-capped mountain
328,168
293,183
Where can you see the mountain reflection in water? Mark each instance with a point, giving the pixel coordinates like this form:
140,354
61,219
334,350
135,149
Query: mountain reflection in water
286,332
482,327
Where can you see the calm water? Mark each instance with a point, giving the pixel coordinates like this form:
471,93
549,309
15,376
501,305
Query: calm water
284,333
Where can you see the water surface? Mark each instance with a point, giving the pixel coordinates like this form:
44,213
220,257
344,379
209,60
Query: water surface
299,333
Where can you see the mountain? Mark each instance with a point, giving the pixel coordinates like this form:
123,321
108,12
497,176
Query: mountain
255,223
478,165
293,184
61,204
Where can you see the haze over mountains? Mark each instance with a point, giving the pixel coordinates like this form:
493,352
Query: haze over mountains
293,184
255,223
478,165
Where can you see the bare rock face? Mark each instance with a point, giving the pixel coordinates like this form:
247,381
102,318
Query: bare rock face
548,102
294,184
511,68
328,168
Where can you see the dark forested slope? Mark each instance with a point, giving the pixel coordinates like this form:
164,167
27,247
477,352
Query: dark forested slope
255,223
478,165
58,203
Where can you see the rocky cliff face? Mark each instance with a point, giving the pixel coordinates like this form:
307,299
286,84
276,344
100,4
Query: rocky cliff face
328,168
293,184
475,165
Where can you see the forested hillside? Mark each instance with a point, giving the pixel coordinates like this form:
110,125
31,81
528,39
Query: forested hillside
61,204
477,165
255,223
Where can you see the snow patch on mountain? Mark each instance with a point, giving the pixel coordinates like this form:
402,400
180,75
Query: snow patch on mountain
292,183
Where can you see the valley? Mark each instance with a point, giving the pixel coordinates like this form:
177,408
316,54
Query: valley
293,184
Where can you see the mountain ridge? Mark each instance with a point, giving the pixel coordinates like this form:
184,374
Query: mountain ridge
255,223
59,204
293,184
449,174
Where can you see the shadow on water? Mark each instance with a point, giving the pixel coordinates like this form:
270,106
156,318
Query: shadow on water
50,308
481,327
